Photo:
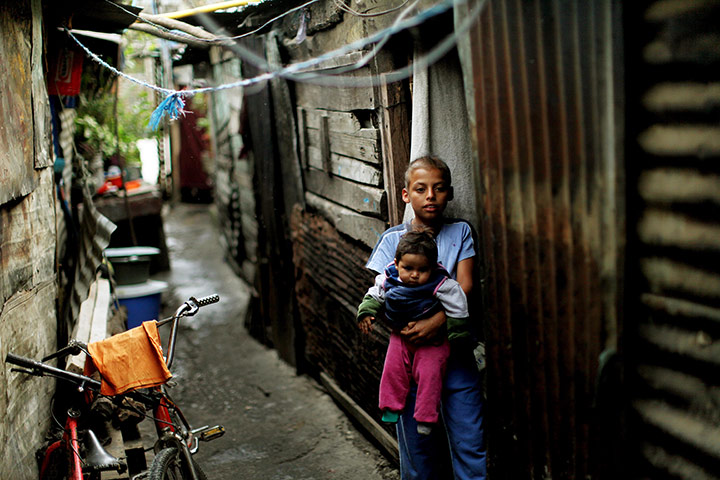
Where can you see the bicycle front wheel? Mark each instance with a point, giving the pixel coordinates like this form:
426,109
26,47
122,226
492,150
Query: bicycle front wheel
170,464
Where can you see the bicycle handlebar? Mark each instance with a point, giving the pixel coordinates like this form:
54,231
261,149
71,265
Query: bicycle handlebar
209,300
38,368
187,309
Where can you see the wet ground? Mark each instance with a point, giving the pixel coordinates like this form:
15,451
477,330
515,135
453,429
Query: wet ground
280,426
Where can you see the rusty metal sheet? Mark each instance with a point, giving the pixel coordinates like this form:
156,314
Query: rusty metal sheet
543,127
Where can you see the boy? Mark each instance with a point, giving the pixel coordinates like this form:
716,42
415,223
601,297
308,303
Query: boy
428,189
413,287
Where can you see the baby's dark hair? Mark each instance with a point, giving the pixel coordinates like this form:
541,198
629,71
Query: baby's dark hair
417,241
428,161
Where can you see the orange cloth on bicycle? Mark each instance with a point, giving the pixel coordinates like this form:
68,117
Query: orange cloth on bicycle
130,360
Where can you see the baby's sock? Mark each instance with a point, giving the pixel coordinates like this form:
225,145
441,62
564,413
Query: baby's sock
390,417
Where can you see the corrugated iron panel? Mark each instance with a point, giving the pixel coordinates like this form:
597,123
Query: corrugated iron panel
676,344
544,128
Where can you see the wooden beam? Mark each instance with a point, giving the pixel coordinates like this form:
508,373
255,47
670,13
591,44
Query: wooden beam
345,167
385,440
92,321
360,227
347,144
361,198
395,141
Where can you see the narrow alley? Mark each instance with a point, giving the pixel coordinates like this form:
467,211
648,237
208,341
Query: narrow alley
279,425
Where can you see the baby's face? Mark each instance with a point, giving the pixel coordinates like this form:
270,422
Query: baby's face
413,268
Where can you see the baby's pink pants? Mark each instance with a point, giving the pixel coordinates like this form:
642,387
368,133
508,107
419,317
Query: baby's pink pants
405,362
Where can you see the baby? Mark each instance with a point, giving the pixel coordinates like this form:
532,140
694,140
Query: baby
413,287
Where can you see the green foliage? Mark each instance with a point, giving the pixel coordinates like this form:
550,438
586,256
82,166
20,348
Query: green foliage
97,113
96,120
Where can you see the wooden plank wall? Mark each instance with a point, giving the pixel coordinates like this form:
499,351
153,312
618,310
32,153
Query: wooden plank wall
28,289
273,313
340,149
352,141
17,170
544,126
234,191
675,76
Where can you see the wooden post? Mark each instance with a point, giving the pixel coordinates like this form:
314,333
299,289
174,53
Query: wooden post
395,140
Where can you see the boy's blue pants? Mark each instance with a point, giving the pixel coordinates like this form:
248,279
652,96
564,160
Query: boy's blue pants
462,413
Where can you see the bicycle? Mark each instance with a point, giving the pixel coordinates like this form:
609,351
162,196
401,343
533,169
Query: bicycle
177,441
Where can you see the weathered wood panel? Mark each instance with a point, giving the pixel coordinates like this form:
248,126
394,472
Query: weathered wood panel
395,126
345,167
17,139
286,132
540,76
341,122
674,354
365,149
273,319
40,103
335,98
27,327
365,229
28,286
357,197
27,239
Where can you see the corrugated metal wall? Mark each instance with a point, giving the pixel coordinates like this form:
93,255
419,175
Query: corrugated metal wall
676,342
545,126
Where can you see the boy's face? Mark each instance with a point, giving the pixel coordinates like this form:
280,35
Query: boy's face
413,268
428,194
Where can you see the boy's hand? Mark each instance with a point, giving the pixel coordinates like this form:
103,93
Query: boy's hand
425,331
366,324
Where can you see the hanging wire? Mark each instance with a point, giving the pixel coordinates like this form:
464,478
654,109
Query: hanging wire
173,104
333,78
341,5
298,71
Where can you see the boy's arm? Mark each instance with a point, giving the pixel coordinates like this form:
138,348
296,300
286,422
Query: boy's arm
454,302
464,274
426,330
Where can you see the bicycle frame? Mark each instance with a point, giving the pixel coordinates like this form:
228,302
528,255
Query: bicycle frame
71,443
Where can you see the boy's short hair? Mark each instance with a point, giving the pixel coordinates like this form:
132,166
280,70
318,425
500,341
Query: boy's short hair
417,241
428,161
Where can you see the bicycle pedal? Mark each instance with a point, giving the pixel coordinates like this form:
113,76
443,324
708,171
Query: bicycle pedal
205,434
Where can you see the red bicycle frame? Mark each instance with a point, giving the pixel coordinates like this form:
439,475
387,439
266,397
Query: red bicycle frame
70,441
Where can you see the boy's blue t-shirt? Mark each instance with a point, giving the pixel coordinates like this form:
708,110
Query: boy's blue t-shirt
455,243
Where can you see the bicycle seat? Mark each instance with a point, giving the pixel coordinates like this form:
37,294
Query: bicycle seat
97,458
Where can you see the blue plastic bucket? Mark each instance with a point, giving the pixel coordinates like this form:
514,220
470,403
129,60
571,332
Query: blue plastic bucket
142,301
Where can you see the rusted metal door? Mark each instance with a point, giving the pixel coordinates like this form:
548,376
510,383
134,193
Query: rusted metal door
545,125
